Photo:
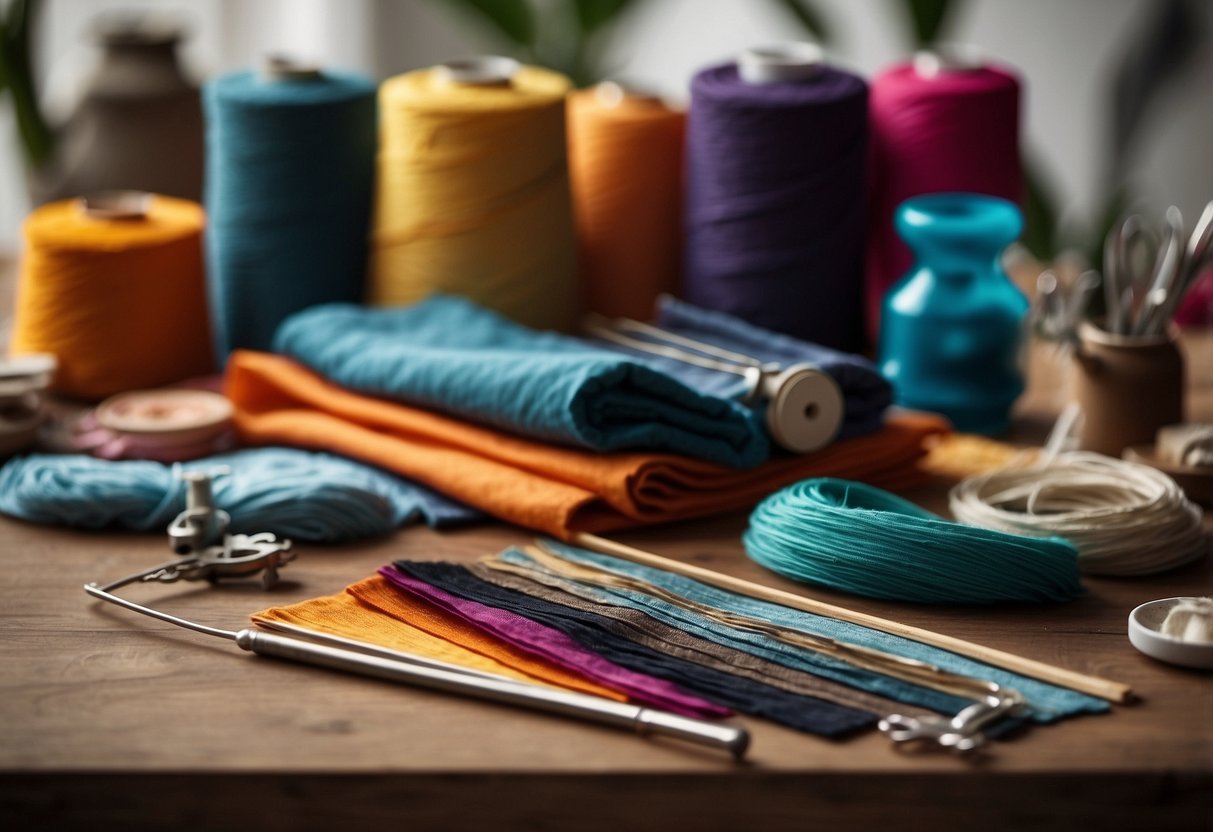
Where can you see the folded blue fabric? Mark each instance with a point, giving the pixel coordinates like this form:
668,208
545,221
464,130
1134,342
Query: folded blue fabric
296,494
865,390
450,355
1048,702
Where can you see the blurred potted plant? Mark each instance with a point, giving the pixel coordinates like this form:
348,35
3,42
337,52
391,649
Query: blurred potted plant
138,124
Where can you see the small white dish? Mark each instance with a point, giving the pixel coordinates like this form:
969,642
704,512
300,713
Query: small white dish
1145,633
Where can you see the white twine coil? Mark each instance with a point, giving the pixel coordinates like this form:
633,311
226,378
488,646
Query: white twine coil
1124,518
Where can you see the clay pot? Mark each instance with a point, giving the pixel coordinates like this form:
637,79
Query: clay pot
1128,387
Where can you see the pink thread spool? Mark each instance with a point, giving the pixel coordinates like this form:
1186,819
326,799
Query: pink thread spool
944,122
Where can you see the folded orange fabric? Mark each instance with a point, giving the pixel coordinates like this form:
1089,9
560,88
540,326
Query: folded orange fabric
414,626
561,491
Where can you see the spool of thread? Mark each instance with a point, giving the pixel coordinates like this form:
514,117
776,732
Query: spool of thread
944,122
473,195
113,287
776,194
22,382
625,164
289,181
860,539
164,425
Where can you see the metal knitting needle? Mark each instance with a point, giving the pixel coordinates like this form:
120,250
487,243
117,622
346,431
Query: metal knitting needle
644,721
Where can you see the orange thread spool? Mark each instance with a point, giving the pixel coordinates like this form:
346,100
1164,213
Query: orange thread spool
114,289
625,164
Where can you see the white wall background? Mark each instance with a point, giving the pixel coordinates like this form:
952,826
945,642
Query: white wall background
1064,50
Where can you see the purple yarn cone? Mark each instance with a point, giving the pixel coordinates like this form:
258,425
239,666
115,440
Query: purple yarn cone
776,202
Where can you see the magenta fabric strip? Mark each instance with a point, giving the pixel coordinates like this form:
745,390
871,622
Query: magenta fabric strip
553,645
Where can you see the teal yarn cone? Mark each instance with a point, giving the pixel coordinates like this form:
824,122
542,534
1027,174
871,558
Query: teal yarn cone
290,177
859,539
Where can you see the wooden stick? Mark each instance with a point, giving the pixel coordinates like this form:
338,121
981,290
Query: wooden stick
1092,685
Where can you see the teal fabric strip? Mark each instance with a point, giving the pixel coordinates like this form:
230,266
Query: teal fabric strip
1048,702
761,645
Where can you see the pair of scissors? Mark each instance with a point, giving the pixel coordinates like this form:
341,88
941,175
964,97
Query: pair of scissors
1129,253
1146,278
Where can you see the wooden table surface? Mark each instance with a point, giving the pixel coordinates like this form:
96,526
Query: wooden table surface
112,719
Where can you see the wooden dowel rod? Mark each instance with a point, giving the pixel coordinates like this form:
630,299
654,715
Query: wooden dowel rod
1092,685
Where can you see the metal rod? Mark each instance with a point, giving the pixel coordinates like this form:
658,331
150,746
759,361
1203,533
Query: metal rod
642,720
99,592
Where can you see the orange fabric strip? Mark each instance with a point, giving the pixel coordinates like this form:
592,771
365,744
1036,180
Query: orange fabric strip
372,611
553,489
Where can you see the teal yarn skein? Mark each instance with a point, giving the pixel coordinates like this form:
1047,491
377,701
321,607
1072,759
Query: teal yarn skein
866,541
290,172
297,494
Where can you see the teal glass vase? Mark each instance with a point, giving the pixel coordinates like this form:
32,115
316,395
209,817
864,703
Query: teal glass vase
953,329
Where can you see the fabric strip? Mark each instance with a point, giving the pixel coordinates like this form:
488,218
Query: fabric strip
1048,702
653,633
545,643
599,634
764,646
344,614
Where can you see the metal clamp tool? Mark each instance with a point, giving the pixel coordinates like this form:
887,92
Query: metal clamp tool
962,732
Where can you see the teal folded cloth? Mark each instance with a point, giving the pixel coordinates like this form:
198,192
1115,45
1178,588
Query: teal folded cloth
450,355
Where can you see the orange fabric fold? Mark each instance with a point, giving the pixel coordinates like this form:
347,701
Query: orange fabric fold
372,611
557,490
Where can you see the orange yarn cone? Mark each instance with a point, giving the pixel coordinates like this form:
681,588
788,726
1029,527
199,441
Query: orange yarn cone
625,164
117,297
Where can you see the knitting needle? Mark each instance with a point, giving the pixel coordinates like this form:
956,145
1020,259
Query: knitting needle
1092,685
644,721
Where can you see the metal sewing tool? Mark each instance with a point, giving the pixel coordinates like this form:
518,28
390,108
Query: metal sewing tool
963,732
1128,252
206,552
1144,279
1168,269
805,406
1058,310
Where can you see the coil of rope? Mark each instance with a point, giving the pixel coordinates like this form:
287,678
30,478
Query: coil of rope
1123,517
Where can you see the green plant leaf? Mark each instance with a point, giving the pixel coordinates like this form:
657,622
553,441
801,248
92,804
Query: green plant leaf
513,19
808,15
592,15
928,19
16,74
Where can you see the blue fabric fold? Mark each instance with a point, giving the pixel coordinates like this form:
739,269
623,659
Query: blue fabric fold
450,355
